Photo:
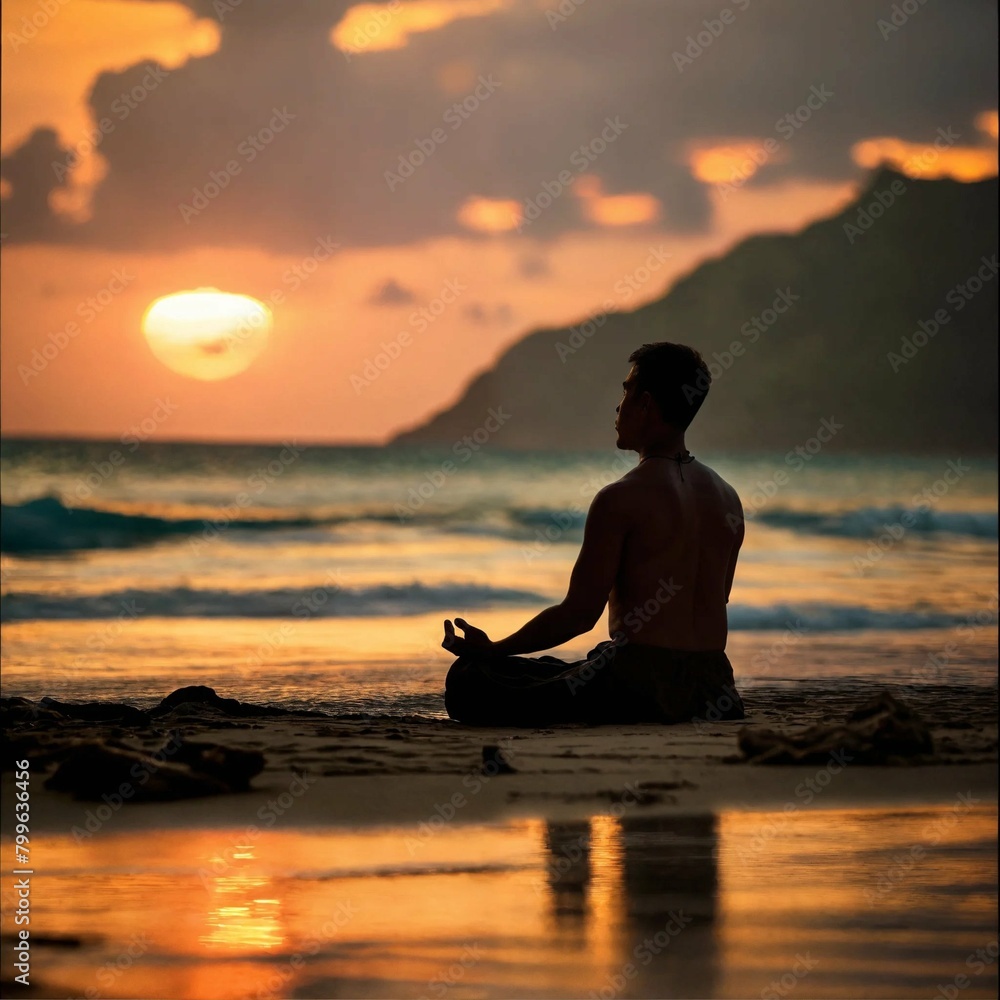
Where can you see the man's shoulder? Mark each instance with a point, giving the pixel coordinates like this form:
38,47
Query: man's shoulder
615,492
724,487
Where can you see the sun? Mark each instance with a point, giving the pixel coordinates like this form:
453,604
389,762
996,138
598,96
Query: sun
207,334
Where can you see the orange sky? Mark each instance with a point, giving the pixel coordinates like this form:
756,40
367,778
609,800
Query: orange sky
74,358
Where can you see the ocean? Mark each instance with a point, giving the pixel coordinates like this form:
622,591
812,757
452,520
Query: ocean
318,577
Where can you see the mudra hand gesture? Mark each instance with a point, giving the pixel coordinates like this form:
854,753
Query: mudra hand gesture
475,640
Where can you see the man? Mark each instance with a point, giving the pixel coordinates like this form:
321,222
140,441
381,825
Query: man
660,546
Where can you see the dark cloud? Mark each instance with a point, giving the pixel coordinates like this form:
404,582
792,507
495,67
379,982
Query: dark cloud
486,315
533,266
391,293
28,170
278,138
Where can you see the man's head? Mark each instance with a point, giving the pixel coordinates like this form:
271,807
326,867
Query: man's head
663,392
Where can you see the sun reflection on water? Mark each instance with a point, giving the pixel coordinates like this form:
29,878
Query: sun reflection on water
528,907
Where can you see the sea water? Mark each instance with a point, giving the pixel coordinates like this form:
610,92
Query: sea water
310,576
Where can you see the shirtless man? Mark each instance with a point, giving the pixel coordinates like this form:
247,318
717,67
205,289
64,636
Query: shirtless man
660,548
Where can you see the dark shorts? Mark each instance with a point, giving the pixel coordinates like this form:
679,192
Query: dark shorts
624,683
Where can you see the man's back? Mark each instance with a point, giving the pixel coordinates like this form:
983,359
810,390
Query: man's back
679,555
660,546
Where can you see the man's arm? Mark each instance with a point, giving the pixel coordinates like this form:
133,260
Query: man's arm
590,584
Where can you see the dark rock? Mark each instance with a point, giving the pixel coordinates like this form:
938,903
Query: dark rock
881,731
95,711
95,770
203,698
54,940
38,749
91,771
495,761
231,765
196,694
15,711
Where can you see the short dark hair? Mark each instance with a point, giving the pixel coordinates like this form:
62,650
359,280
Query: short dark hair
677,378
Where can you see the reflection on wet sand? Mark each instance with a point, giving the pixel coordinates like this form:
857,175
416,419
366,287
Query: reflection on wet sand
801,904
641,893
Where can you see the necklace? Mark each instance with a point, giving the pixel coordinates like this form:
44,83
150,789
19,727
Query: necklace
681,458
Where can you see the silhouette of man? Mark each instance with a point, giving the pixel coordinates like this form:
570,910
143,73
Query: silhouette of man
660,547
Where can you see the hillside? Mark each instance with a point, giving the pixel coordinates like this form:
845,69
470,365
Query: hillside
846,347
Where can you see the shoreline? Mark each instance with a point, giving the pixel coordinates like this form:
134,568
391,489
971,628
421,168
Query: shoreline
377,771
371,857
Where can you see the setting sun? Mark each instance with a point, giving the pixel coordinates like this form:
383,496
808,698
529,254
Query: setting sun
207,334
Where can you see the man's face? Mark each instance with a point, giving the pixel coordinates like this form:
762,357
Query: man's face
627,421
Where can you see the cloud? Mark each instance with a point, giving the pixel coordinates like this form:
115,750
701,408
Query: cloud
374,27
723,161
391,293
490,215
533,266
486,315
201,160
630,209
940,158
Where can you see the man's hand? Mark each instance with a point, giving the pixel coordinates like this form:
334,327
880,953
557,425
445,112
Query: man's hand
475,641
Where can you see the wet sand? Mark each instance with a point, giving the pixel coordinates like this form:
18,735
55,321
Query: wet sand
449,878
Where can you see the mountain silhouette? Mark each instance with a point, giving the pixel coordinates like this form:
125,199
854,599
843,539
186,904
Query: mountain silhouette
881,318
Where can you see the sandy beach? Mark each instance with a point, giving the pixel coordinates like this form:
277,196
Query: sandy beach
608,830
